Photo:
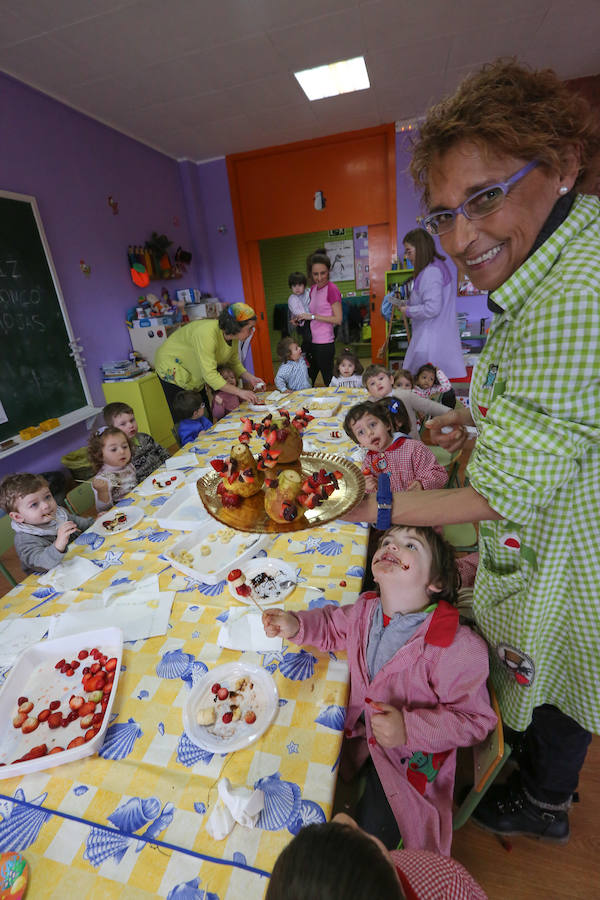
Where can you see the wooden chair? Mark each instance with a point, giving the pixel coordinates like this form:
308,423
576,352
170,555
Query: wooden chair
81,498
489,758
7,539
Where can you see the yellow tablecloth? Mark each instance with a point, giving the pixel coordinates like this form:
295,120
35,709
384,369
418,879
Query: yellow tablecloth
130,822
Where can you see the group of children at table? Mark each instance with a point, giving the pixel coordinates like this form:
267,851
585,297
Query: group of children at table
417,676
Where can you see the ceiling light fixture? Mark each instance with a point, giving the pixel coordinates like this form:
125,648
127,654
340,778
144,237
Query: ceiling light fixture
336,78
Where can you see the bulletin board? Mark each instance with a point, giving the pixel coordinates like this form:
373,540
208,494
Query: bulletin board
41,374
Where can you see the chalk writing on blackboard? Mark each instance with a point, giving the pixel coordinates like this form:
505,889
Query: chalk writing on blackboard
39,379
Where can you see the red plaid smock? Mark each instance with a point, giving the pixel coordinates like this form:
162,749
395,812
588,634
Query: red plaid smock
406,461
428,876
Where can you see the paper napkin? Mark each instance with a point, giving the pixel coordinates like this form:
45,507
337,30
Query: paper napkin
17,635
235,804
182,460
244,630
70,574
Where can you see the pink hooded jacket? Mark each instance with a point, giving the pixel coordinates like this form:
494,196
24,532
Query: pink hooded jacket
438,679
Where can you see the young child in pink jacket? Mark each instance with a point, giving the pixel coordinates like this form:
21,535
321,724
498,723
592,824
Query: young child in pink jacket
417,686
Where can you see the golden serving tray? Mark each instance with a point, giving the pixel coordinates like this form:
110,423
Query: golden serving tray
251,515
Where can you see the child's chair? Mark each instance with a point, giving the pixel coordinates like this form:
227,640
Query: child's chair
7,539
489,758
81,499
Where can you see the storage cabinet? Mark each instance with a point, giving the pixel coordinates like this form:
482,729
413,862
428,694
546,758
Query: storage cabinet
147,399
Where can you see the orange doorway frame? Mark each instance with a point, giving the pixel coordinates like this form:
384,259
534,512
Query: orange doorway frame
271,195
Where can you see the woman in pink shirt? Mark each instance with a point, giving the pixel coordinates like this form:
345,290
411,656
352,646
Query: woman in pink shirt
325,313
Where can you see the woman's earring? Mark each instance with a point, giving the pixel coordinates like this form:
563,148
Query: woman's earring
563,189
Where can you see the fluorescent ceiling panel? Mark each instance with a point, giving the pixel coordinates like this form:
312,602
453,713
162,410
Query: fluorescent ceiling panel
336,78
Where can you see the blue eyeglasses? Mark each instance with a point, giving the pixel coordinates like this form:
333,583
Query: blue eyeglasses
477,206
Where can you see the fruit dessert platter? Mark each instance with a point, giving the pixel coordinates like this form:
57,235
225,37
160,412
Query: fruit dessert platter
61,706
277,472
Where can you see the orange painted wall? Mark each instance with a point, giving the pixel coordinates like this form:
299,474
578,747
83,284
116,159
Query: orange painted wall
272,193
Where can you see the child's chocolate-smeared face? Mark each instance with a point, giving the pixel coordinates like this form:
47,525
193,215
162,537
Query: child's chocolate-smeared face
371,433
404,558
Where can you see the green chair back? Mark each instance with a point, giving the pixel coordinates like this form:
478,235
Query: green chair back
7,539
81,498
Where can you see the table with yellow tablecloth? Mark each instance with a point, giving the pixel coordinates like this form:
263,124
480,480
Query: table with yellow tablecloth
130,822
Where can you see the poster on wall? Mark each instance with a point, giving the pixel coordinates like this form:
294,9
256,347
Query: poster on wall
466,288
361,257
341,254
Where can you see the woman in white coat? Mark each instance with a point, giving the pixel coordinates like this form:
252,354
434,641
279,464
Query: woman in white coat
432,309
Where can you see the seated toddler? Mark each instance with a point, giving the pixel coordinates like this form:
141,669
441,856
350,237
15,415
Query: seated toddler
189,408
292,374
42,529
223,401
146,454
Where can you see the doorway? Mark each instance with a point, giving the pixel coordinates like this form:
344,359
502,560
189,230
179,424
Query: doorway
273,196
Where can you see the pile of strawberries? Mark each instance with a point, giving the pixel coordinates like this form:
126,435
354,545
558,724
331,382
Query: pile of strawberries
97,683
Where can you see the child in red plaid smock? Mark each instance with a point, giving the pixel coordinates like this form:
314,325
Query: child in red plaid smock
410,464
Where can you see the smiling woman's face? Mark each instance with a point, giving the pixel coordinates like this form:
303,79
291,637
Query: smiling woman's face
491,249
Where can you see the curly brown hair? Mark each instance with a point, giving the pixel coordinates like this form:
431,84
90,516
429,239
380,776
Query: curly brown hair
14,487
97,441
512,110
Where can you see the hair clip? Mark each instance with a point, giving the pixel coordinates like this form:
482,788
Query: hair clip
101,430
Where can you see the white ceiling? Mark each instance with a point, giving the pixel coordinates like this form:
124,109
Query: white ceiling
198,79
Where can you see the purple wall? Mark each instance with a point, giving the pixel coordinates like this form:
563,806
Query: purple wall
408,208
70,164
221,246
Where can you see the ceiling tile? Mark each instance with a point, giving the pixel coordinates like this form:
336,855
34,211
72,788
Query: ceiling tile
48,66
324,40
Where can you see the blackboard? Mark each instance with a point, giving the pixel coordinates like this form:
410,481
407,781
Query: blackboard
39,379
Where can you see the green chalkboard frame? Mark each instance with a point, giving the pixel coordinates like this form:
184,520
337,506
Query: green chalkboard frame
41,371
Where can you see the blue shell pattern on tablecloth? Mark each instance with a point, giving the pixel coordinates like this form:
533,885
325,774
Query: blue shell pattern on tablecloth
120,739
310,814
175,664
332,717
21,825
298,666
282,802
91,538
190,890
188,753
135,813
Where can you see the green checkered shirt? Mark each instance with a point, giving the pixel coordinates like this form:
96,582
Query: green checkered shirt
535,398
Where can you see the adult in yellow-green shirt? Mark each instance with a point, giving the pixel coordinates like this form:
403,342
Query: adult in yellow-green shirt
188,360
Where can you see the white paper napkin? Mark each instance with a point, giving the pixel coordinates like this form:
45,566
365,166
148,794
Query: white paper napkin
225,426
182,460
17,635
140,610
235,804
70,574
244,630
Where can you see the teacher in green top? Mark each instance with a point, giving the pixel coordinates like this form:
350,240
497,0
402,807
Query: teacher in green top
188,360
499,164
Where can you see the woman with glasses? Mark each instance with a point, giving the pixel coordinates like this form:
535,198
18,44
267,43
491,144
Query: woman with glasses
432,309
499,164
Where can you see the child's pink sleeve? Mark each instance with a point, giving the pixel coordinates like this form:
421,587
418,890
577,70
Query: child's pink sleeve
443,381
426,468
463,716
325,628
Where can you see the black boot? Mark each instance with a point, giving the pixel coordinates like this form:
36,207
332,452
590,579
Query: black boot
506,809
